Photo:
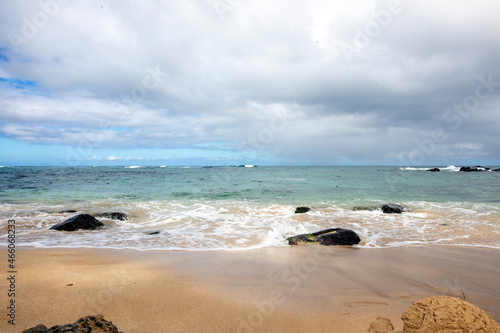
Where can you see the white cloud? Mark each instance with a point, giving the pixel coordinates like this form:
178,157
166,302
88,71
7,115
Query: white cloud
174,75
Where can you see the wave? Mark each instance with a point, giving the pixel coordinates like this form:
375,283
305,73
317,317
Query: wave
451,168
240,225
414,169
133,167
448,168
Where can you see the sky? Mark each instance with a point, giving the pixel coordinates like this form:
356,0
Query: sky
228,82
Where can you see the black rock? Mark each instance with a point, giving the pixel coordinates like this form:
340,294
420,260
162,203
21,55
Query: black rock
67,211
82,221
154,233
300,210
37,329
369,208
113,216
83,325
392,208
496,170
434,170
476,168
337,236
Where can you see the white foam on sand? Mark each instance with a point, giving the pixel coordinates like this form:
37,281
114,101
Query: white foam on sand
239,225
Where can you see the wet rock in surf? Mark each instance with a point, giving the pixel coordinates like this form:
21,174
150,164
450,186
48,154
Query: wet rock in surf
392,208
336,236
368,208
93,324
67,211
301,210
442,314
434,170
77,222
113,216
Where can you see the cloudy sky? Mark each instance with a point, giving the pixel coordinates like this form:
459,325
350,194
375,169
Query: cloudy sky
224,82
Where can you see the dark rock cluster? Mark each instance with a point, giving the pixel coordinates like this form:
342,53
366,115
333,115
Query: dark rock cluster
388,208
477,168
89,324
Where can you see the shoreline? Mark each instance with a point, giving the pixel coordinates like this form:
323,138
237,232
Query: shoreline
282,289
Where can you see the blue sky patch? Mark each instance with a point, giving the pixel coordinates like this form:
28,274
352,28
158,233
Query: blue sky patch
18,84
3,56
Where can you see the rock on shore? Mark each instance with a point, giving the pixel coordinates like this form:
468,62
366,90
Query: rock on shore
301,210
94,324
444,314
77,222
388,208
337,236
392,208
367,208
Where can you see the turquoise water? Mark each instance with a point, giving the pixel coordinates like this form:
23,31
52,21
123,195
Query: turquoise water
220,208
281,185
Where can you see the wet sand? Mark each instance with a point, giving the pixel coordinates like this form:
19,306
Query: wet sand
291,289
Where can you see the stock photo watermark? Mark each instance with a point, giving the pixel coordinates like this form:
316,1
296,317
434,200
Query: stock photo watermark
223,7
291,279
116,283
266,135
152,80
30,26
277,123
365,34
11,272
453,118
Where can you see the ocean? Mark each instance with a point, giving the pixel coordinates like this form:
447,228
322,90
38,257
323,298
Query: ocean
245,208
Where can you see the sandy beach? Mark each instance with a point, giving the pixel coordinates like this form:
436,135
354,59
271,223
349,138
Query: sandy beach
296,289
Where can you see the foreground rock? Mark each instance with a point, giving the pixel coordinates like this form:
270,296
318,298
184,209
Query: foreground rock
77,222
337,236
300,210
440,314
392,208
113,215
89,324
